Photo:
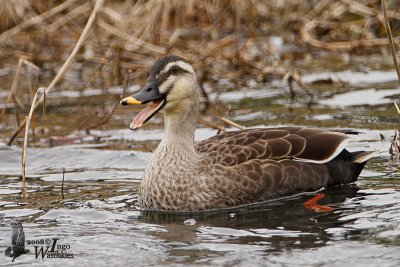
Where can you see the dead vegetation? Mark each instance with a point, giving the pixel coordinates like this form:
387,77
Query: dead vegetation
227,39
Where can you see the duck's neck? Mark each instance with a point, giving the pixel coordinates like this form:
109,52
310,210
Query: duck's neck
174,163
180,125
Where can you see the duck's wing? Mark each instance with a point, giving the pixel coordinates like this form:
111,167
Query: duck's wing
260,180
299,143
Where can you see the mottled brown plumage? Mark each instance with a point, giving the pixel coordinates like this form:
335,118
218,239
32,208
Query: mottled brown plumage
234,168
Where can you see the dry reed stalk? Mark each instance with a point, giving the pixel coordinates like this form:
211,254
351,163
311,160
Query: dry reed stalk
105,61
78,11
16,132
16,110
14,85
131,39
211,125
394,144
318,8
294,77
390,37
62,184
362,9
397,108
345,45
13,12
116,105
229,122
28,121
394,147
238,24
111,14
18,102
35,20
334,12
67,63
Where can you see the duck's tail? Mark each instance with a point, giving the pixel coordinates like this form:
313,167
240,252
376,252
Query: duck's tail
360,158
363,156
347,166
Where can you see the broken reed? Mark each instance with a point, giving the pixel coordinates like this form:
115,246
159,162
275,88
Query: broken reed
28,120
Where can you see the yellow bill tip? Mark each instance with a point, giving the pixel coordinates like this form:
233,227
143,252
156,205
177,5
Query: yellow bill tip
130,101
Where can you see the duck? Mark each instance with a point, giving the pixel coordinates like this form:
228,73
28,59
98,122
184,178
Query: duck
234,168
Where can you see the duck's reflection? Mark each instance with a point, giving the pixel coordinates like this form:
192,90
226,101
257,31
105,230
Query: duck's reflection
270,227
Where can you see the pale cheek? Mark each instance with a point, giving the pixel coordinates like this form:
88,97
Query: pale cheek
180,90
165,85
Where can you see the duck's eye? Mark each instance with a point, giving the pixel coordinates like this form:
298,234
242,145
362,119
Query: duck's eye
174,70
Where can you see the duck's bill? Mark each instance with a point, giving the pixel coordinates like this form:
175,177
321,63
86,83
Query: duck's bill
149,94
146,114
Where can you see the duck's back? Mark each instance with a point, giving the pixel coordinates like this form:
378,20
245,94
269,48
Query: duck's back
259,164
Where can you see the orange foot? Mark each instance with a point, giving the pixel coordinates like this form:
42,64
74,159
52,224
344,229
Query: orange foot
313,205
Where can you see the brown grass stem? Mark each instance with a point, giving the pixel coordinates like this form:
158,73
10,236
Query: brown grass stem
390,36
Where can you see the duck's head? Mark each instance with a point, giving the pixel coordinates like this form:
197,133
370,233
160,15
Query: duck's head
171,84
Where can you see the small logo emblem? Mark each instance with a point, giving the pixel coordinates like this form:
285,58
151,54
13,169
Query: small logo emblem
17,241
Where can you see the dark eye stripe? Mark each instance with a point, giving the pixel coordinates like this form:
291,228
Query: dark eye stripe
164,61
174,70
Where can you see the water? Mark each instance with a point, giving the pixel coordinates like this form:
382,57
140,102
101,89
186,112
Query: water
99,220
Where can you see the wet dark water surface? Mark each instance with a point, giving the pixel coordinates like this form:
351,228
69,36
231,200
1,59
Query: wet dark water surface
99,220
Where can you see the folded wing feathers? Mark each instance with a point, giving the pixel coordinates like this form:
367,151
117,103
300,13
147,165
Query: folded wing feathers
298,143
